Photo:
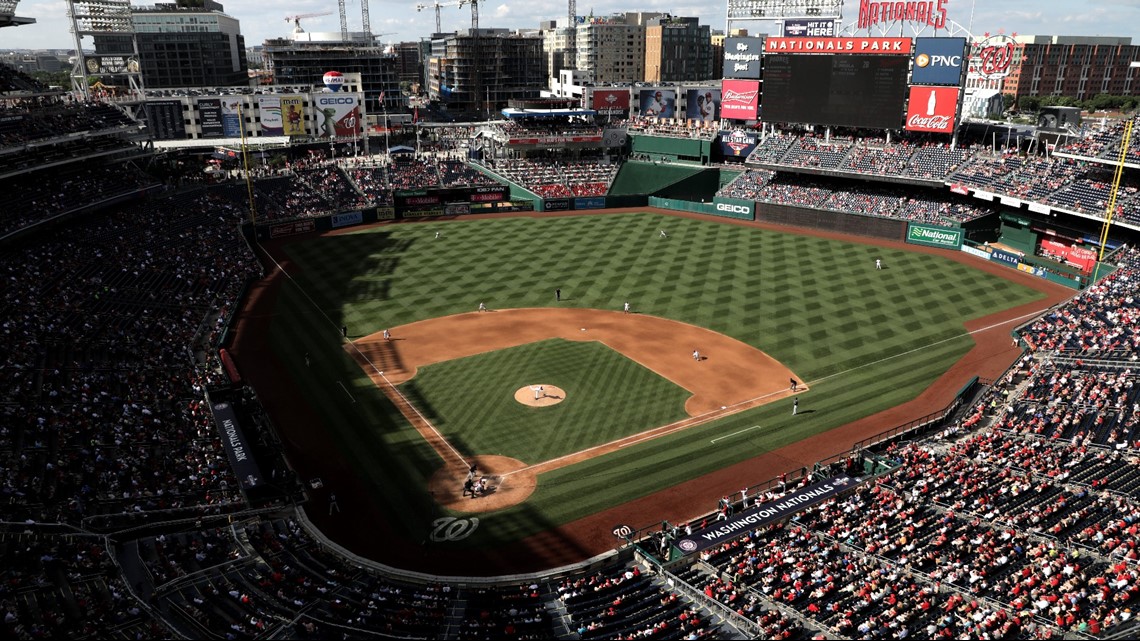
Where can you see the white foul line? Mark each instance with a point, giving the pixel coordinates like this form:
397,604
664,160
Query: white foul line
747,429
365,359
346,391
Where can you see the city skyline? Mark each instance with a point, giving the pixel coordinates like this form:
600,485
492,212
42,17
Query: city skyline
398,21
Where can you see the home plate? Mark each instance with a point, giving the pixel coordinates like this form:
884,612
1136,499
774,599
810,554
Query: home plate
583,329
723,407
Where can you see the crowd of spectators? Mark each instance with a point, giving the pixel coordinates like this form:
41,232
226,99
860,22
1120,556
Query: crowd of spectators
35,119
13,81
530,127
1103,143
861,153
554,178
1100,321
674,128
883,200
71,189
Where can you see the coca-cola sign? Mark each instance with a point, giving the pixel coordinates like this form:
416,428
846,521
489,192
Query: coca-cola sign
739,99
932,109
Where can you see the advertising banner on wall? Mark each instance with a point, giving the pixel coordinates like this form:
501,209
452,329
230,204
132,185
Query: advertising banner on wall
702,104
739,99
932,109
237,448
591,202
270,109
934,236
611,102
657,103
231,116
776,44
210,117
338,115
1002,256
735,208
738,143
757,517
742,58
293,115
938,61
347,218
809,28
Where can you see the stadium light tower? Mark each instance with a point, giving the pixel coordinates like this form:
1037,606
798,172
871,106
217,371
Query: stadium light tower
8,17
111,21
779,10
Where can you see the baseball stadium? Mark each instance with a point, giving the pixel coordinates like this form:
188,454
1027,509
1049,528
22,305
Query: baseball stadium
846,371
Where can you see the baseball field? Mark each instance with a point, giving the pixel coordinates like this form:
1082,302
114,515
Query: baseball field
635,411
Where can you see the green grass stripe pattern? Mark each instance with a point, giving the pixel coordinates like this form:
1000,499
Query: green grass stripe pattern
471,400
817,305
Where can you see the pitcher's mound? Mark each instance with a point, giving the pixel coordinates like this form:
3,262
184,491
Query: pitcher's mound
548,395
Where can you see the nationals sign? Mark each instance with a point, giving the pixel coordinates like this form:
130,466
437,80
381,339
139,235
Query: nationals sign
931,13
993,57
932,109
739,99
776,44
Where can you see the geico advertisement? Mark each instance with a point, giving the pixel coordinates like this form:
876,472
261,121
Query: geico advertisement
337,115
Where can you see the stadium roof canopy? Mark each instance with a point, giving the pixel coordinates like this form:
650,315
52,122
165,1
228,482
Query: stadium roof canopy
510,112
265,141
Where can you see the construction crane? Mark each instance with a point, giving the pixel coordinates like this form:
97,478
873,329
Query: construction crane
437,5
343,22
296,20
474,12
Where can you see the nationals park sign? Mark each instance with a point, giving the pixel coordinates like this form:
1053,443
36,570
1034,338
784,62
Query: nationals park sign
934,236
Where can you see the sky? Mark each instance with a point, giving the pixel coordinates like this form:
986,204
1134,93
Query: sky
399,20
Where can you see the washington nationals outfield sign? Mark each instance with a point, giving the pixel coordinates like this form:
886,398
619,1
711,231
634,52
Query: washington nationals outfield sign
762,515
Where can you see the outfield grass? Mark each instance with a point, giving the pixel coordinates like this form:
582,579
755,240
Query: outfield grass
608,397
864,339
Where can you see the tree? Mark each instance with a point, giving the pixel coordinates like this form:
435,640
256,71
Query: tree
1007,101
1029,103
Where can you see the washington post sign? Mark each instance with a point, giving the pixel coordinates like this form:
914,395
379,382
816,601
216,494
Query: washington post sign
742,57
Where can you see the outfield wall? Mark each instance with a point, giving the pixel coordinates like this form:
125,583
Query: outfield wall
854,224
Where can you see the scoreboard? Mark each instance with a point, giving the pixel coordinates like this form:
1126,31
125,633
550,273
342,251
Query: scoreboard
847,90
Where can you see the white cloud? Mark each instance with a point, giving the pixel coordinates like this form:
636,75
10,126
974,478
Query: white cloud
501,11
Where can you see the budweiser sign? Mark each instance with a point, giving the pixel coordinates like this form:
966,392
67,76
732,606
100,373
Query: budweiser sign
932,13
739,99
746,97
932,109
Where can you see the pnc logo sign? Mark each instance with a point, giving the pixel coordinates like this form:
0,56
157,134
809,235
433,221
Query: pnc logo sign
924,60
938,61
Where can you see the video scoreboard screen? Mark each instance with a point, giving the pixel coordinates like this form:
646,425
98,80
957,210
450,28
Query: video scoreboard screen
840,90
